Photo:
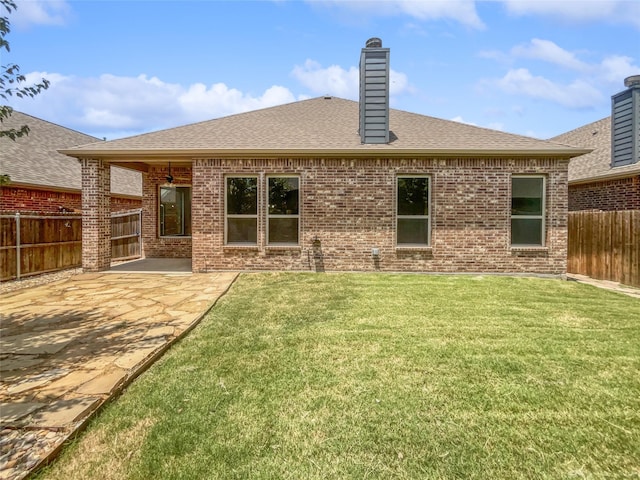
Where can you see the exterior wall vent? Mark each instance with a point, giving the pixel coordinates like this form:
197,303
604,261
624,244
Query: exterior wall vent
374,93
625,124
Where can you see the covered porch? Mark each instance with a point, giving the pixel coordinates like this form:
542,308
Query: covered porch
166,226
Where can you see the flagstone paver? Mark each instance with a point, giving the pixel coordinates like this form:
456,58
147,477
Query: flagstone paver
68,346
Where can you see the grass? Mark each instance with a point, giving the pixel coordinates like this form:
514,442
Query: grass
313,376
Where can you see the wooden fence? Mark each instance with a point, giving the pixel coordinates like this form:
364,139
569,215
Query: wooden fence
605,245
34,244
126,231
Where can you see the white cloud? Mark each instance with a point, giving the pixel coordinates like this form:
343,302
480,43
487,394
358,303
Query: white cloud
578,94
224,100
463,11
491,125
611,69
335,80
619,11
116,106
459,119
593,82
40,12
615,68
548,51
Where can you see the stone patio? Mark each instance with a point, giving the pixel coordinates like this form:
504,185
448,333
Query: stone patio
68,346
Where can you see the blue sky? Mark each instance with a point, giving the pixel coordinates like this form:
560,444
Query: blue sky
118,68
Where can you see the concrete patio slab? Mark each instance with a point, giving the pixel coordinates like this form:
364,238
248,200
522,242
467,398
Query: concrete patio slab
154,265
12,412
68,346
62,413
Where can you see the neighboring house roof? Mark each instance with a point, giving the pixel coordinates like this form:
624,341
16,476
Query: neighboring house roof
33,160
596,165
325,126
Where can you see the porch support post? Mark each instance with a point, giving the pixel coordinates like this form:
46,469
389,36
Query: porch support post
200,217
96,215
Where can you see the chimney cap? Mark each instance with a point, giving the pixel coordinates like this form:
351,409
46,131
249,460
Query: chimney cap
374,42
632,81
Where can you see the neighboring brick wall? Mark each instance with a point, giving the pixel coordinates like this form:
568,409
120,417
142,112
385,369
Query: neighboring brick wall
96,220
621,194
153,244
18,199
121,204
349,205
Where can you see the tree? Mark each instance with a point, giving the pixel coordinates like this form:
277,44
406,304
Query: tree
11,81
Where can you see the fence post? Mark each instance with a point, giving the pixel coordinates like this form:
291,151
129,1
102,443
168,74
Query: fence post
18,253
140,232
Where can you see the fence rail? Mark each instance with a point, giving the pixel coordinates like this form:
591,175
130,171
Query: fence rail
34,244
605,245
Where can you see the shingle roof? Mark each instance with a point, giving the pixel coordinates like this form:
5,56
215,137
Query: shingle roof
34,159
324,125
597,164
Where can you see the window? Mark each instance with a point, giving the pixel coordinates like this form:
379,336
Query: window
175,211
283,212
527,211
241,210
413,228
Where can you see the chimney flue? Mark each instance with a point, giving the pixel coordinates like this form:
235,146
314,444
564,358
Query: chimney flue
632,81
374,42
374,93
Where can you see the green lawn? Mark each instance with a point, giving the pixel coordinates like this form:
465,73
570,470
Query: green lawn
332,376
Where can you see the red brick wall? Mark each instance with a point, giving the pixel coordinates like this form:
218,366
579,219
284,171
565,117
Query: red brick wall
17,199
120,204
153,244
622,194
349,205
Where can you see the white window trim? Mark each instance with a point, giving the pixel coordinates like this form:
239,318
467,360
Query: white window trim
530,217
227,216
413,217
269,216
160,187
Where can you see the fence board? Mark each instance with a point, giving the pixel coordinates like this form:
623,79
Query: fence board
605,245
49,243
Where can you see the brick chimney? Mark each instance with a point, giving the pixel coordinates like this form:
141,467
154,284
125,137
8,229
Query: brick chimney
374,93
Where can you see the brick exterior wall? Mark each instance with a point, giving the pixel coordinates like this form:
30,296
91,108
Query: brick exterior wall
349,206
96,219
621,194
18,199
153,244
121,204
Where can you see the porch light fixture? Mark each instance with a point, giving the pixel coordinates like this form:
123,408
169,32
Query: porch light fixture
169,177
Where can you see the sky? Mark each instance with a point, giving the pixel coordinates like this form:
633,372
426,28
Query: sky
119,68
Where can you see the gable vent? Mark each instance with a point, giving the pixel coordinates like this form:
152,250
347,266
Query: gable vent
625,124
374,93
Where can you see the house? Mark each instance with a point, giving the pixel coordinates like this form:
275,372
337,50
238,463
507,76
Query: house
595,181
43,180
336,185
